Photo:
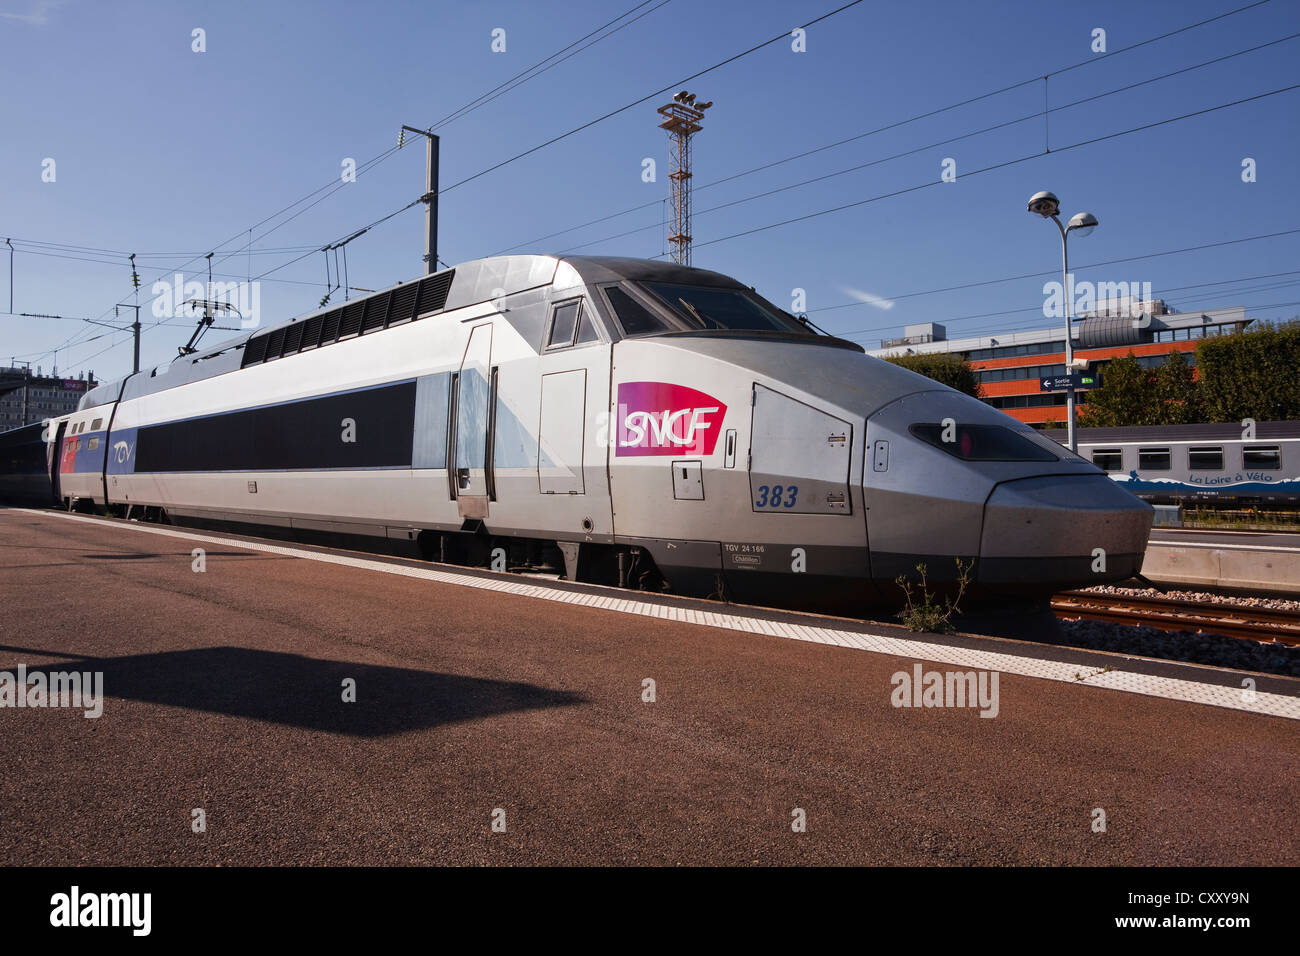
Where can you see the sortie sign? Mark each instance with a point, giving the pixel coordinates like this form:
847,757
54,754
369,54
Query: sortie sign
1060,383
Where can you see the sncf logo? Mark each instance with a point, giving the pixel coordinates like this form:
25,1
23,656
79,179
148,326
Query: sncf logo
655,418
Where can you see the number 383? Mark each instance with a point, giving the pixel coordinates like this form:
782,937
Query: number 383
776,496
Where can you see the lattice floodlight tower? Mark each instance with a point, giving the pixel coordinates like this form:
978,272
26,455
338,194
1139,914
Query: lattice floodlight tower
682,119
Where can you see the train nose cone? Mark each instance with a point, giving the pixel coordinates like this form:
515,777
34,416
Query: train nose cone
1067,531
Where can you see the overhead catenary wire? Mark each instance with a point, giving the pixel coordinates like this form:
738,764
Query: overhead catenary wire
1054,272
166,270
815,179
599,119
76,247
1249,305
333,185
735,57
948,108
783,35
948,321
265,274
1003,327
525,75
944,142
1001,165
644,99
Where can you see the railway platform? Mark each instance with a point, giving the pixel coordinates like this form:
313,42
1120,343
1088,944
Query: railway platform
321,706
1257,561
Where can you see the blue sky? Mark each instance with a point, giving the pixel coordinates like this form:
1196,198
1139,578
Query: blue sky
171,153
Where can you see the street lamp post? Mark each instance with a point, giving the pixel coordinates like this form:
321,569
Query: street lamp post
1048,206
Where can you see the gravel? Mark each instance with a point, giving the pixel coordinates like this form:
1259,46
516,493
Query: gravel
1197,647
1201,597
1192,646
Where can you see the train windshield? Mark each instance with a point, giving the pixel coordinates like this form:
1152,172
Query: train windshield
982,442
732,310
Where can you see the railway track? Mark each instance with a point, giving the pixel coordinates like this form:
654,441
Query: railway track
1172,614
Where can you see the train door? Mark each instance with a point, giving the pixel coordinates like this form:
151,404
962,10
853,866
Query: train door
562,425
573,398
798,457
471,434
54,459
561,433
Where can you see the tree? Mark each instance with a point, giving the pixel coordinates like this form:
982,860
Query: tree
951,370
1127,396
1252,374
1132,394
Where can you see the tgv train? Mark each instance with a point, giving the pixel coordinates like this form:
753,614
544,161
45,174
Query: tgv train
1230,464
618,420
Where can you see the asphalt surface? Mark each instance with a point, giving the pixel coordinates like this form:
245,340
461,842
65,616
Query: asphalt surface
224,692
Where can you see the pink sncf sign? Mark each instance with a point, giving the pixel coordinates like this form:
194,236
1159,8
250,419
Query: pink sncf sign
656,418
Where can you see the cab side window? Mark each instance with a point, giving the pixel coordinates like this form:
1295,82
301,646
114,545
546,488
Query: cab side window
564,324
571,324
587,331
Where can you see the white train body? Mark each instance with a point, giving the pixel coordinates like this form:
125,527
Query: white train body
571,405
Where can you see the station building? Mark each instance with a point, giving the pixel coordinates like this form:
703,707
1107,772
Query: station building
27,398
1010,365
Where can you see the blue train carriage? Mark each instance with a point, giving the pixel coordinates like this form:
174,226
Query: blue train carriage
1206,463
25,466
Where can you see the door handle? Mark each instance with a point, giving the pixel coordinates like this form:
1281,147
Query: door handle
462,477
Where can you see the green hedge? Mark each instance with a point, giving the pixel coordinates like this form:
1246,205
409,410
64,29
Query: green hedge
1252,375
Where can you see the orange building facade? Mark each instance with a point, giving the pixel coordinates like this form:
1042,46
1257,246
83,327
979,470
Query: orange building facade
1010,367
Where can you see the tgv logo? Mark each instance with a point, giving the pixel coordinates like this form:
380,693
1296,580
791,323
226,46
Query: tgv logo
656,418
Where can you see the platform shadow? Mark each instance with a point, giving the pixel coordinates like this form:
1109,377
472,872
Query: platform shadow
305,692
